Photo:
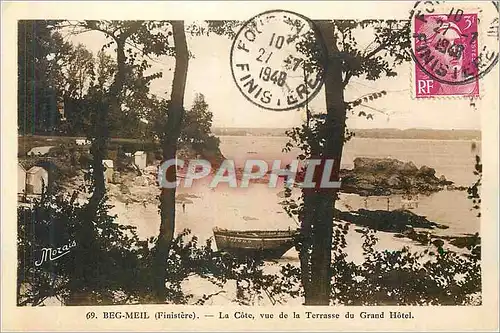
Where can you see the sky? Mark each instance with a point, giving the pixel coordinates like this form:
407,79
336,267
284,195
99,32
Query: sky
209,73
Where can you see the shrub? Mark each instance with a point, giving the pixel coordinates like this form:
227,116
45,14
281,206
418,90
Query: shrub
109,264
103,262
401,277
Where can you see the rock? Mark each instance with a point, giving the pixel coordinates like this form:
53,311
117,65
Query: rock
124,189
466,241
386,176
115,179
393,181
427,171
444,181
141,181
409,168
151,169
402,221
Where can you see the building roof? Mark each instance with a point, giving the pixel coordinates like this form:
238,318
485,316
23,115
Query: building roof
44,150
19,164
139,152
107,163
36,169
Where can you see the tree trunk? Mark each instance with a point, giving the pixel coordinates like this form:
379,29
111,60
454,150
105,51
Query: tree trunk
325,200
307,222
172,131
98,151
108,104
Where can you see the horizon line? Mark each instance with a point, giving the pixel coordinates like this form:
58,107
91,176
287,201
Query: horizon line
374,128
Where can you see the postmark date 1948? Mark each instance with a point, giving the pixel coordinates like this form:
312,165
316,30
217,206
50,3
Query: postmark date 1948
277,60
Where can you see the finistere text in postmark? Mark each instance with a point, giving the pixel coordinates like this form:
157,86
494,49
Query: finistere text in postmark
278,60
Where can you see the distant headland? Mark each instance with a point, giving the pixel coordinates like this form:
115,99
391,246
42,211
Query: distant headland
378,133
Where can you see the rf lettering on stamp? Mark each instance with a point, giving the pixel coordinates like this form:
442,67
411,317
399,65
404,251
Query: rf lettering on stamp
278,60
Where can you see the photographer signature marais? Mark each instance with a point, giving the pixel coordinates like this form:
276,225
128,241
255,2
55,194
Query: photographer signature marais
52,254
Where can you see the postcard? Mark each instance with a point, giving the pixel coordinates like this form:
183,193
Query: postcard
250,166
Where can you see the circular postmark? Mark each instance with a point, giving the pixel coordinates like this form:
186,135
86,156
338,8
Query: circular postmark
454,45
278,60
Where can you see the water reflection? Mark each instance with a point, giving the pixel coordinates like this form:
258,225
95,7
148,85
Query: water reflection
451,208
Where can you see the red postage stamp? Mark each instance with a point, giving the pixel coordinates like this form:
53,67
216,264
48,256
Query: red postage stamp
446,55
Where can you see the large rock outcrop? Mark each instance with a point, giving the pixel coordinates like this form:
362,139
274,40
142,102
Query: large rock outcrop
398,220
386,176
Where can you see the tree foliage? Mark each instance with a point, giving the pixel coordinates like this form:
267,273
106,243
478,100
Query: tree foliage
473,191
322,137
196,127
40,57
402,277
109,264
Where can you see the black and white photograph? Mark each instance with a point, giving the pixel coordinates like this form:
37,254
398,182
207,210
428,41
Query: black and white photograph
323,166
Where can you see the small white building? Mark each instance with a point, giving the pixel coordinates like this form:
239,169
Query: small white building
108,170
140,159
82,142
21,179
40,151
37,180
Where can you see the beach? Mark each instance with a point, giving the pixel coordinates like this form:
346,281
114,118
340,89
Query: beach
257,207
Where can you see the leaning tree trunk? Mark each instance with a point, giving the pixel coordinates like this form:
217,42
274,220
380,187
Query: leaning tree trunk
98,152
172,131
108,104
324,201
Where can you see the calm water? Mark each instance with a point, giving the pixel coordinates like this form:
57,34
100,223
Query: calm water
452,158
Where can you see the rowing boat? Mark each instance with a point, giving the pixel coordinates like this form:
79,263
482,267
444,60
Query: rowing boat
265,244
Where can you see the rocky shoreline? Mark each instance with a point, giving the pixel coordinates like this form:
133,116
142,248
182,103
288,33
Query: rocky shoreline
396,221
406,224
386,176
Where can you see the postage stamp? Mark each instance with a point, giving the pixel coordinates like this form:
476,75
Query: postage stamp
452,49
278,60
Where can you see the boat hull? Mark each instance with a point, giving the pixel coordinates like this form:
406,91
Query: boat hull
255,243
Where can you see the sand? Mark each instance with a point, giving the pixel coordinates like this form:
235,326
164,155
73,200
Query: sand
254,208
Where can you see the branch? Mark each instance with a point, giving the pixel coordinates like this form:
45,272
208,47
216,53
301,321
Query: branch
368,46
144,54
382,45
86,28
271,298
117,28
360,97
374,109
133,28
347,78
375,51
71,25
209,296
90,25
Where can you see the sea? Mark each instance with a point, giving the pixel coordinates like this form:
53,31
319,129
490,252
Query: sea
455,159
